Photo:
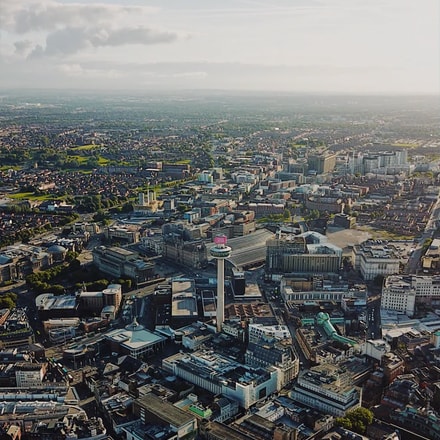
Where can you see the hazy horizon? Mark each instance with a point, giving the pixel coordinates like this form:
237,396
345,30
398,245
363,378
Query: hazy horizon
386,47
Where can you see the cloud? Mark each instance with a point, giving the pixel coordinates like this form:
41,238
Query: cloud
78,71
139,35
71,40
22,46
60,29
49,15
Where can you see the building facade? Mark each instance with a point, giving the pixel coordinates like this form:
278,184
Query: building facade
29,375
404,293
220,375
119,262
152,409
326,391
305,253
398,295
373,258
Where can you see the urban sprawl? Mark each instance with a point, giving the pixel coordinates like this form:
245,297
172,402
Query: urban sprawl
219,267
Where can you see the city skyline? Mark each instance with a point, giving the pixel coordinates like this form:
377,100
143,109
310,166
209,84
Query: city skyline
332,46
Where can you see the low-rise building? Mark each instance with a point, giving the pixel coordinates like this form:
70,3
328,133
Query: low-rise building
152,409
220,375
16,330
52,306
119,262
374,257
135,340
407,292
423,421
122,233
29,375
398,294
328,390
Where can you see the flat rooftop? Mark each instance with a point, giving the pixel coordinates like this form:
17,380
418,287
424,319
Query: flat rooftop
134,338
248,249
184,299
58,302
165,410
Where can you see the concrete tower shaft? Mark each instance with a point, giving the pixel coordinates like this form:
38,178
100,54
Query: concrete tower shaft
220,252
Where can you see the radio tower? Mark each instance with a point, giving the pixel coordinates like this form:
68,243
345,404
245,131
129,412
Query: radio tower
220,252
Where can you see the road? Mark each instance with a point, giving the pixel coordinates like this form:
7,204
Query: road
278,311
430,228
374,328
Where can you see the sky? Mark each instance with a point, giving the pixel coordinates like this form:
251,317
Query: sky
304,46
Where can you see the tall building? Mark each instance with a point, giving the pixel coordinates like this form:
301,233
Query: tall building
391,162
280,248
399,295
220,252
183,302
238,282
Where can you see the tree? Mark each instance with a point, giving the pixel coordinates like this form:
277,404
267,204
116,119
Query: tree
102,216
356,420
344,422
127,207
8,300
70,256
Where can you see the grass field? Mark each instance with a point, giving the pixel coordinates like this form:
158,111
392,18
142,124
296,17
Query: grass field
8,167
30,196
404,145
103,161
80,159
86,147
380,234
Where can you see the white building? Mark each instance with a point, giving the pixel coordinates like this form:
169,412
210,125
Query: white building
327,390
244,177
219,375
375,348
258,331
373,258
126,233
134,340
206,176
404,293
398,294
